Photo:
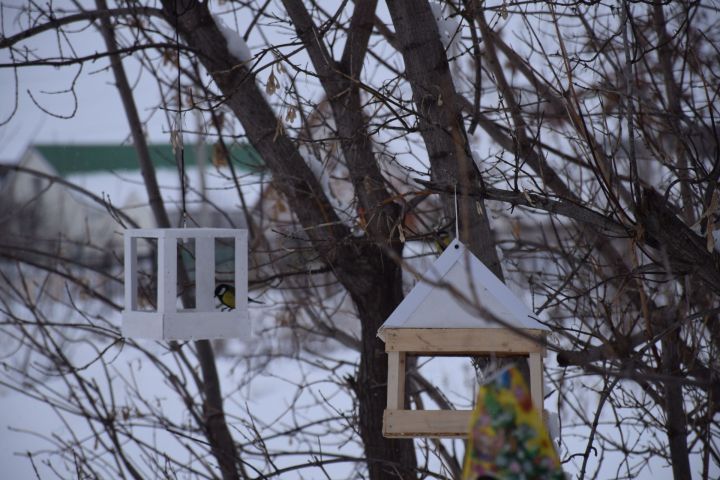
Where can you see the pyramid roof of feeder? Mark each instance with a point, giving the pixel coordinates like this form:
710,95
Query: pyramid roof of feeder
446,294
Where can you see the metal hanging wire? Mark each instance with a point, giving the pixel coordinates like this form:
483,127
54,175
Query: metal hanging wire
176,134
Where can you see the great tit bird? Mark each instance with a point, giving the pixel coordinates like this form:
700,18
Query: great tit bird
226,294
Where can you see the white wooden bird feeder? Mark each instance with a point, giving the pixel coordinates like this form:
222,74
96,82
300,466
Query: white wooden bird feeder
189,254
437,318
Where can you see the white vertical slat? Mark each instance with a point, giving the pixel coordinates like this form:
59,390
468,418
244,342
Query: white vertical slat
204,273
241,272
536,381
130,272
167,274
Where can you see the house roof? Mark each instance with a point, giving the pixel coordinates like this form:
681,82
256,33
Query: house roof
446,294
69,159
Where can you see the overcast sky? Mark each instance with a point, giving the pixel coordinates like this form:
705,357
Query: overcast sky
99,116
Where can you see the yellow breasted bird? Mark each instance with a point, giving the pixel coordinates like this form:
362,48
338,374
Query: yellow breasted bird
226,294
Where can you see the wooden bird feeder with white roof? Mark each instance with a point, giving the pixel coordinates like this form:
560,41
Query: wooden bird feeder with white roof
190,254
458,308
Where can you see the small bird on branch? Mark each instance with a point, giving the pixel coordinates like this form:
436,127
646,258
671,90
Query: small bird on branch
226,295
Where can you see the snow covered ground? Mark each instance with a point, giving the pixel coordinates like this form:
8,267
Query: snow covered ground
275,386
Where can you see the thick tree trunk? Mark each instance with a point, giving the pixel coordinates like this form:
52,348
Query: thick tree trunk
292,177
443,131
387,459
675,421
441,123
372,278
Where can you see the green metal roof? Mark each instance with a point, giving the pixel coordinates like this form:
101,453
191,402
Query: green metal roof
68,159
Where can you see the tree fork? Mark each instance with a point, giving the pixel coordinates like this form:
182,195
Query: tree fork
371,277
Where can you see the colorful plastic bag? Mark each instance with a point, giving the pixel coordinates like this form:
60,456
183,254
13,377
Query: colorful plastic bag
508,439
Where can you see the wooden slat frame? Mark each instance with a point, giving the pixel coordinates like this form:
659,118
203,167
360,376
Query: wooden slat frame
536,380
463,341
396,381
430,423
426,423
438,342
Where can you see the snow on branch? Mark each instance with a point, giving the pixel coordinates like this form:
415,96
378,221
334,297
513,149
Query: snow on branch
235,43
449,28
